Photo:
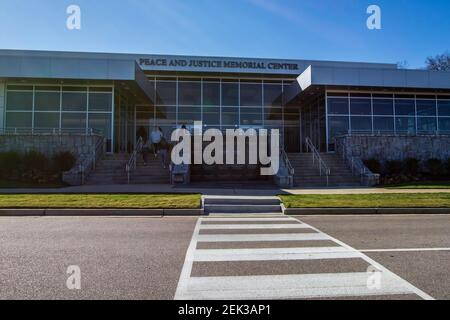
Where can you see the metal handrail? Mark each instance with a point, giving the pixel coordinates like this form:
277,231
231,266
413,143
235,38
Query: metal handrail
316,157
131,164
356,165
90,163
287,162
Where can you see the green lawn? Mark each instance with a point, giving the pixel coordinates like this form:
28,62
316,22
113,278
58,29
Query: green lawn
95,201
422,185
412,200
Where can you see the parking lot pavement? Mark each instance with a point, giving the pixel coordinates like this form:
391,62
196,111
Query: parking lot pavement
417,248
119,258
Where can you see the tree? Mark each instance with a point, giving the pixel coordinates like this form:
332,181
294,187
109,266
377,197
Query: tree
440,62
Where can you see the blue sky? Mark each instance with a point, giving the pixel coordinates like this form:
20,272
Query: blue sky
301,29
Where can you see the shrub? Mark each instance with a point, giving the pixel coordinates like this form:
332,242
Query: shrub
434,167
393,167
412,166
36,162
373,165
63,161
10,163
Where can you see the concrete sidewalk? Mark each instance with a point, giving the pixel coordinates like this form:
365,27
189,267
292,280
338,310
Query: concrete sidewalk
226,191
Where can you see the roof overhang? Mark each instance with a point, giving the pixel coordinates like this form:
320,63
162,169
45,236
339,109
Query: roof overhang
70,69
365,78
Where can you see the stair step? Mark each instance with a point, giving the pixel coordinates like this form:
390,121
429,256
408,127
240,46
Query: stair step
227,208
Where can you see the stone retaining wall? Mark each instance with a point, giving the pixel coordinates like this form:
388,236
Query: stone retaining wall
49,144
385,148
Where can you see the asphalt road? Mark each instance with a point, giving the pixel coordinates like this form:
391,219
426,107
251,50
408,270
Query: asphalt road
143,258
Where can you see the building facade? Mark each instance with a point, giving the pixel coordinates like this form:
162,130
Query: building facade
118,94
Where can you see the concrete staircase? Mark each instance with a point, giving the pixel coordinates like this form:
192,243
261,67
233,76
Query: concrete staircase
307,174
111,170
242,205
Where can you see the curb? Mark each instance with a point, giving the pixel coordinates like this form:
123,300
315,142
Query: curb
100,212
364,211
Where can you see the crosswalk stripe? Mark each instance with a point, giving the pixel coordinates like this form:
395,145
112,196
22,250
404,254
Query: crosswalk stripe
247,219
252,226
261,237
292,286
271,254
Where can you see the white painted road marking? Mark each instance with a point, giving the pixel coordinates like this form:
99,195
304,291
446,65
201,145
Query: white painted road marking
279,286
261,237
291,286
405,250
274,254
252,226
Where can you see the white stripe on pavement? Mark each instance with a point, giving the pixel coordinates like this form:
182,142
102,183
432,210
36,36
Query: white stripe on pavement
292,286
406,250
252,226
378,266
261,237
247,219
273,254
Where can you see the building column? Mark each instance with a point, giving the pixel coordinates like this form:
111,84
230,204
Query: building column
2,104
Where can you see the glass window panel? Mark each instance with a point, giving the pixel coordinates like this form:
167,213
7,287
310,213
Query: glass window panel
47,101
230,116
405,107
444,125
19,87
46,120
166,113
426,125
211,94
166,92
189,114
338,106
73,101
405,125
73,121
189,93
273,95
383,124
383,107
18,120
251,94
100,102
337,126
22,101
444,108
361,124
273,114
100,122
230,94
251,116
426,107
100,89
211,115
360,106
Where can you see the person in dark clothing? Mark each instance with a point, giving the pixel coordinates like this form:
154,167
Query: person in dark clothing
142,133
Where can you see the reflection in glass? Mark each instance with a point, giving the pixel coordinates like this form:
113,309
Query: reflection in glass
383,125
361,124
251,94
426,125
405,125
211,94
230,94
383,107
47,101
338,106
359,106
46,120
426,107
405,107
189,93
